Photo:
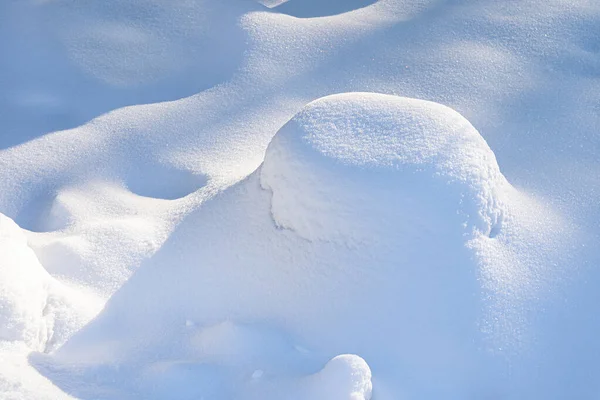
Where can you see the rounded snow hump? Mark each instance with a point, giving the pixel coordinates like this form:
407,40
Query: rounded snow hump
380,156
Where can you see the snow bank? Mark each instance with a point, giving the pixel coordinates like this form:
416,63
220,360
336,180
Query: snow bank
360,234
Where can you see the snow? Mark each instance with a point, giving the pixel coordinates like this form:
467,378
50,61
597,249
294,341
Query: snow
303,199
37,313
364,153
36,309
332,241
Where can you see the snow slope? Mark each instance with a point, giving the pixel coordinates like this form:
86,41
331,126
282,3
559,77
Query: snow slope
379,226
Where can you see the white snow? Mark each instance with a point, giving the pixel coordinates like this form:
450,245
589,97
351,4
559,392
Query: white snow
302,199
363,154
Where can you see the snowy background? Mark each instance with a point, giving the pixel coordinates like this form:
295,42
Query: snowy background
312,199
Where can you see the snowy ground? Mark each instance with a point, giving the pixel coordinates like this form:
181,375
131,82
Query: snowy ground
312,199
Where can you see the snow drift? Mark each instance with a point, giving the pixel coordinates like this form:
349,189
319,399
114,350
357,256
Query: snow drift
377,156
365,231
266,281
37,313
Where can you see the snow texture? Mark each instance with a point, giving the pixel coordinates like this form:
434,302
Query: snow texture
302,199
364,153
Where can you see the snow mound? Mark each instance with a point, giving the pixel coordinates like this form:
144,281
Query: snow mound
23,288
35,309
37,313
364,232
377,156
344,377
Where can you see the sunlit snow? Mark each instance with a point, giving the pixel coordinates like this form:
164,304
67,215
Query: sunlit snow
302,199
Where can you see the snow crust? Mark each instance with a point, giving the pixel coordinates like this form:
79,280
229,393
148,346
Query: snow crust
231,199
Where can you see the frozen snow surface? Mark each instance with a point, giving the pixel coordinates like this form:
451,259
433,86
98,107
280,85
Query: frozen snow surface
302,199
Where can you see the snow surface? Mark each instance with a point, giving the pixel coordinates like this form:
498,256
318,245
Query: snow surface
232,199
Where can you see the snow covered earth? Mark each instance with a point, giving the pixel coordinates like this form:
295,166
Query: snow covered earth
303,199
